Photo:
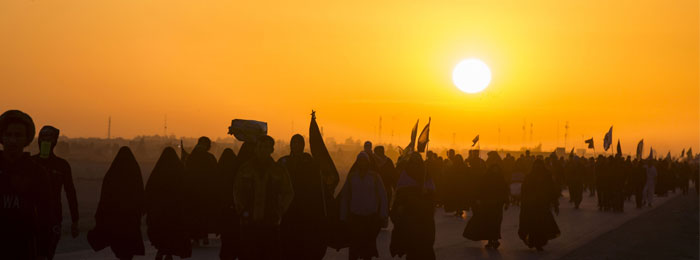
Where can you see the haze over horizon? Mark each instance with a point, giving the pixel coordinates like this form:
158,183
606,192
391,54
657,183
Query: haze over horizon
632,65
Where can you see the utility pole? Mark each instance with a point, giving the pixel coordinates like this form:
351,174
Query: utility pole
109,128
531,133
566,133
380,129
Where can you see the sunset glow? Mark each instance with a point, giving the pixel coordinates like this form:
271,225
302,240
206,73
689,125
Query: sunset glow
597,63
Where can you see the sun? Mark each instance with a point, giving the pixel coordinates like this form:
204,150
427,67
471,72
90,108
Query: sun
471,76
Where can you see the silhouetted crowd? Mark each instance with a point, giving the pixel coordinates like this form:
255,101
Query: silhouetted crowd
288,209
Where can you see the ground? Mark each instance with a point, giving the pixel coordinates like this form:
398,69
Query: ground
669,230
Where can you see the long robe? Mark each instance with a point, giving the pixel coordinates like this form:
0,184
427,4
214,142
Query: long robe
456,187
574,172
301,227
229,223
414,220
492,195
386,170
202,196
164,208
118,216
539,194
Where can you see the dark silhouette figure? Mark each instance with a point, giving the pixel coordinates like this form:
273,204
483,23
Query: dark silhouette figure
25,212
118,216
574,175
364,207
638,179
301,228
540,196
386,170
456,185
202,197
60,177
413,212
492,196
229,222
262,194
164,207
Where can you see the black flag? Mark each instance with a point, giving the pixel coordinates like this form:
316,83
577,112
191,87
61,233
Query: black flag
590,143
320,153
619,148
423,139
412,145
607,140
640,149
475,140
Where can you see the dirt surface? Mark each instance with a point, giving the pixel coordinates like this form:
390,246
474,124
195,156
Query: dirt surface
668,232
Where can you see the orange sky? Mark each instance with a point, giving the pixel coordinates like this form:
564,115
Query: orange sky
631,64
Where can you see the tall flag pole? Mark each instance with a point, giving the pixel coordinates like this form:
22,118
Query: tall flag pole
424,138
590,145
318,149
640,149
412,145
607,140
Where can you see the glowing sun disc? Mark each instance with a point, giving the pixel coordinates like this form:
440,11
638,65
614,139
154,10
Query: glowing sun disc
471,76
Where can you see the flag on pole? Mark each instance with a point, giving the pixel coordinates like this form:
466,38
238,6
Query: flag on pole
607,140
668,156
651,153
640,149
412,145
590,143
424,138
475,140
320,153
571,154
183,154
619,148
689,153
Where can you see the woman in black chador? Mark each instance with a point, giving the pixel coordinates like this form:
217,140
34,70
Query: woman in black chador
164,207
492,195
229,222
118,216
539,196
413,212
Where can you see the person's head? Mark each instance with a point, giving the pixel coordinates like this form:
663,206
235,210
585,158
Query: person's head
451,153
415,168
264,147
16,131
296,145
650,162
368,147
379,151
48,137
204,143
538,165
362,162
527,153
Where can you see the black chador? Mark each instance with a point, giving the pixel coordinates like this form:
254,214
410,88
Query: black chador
164,208
118,216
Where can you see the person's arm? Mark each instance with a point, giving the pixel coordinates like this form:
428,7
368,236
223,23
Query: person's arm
286,191
72,198
383,201
345,198
42,211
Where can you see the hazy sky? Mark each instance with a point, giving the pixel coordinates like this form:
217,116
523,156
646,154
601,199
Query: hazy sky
596,63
